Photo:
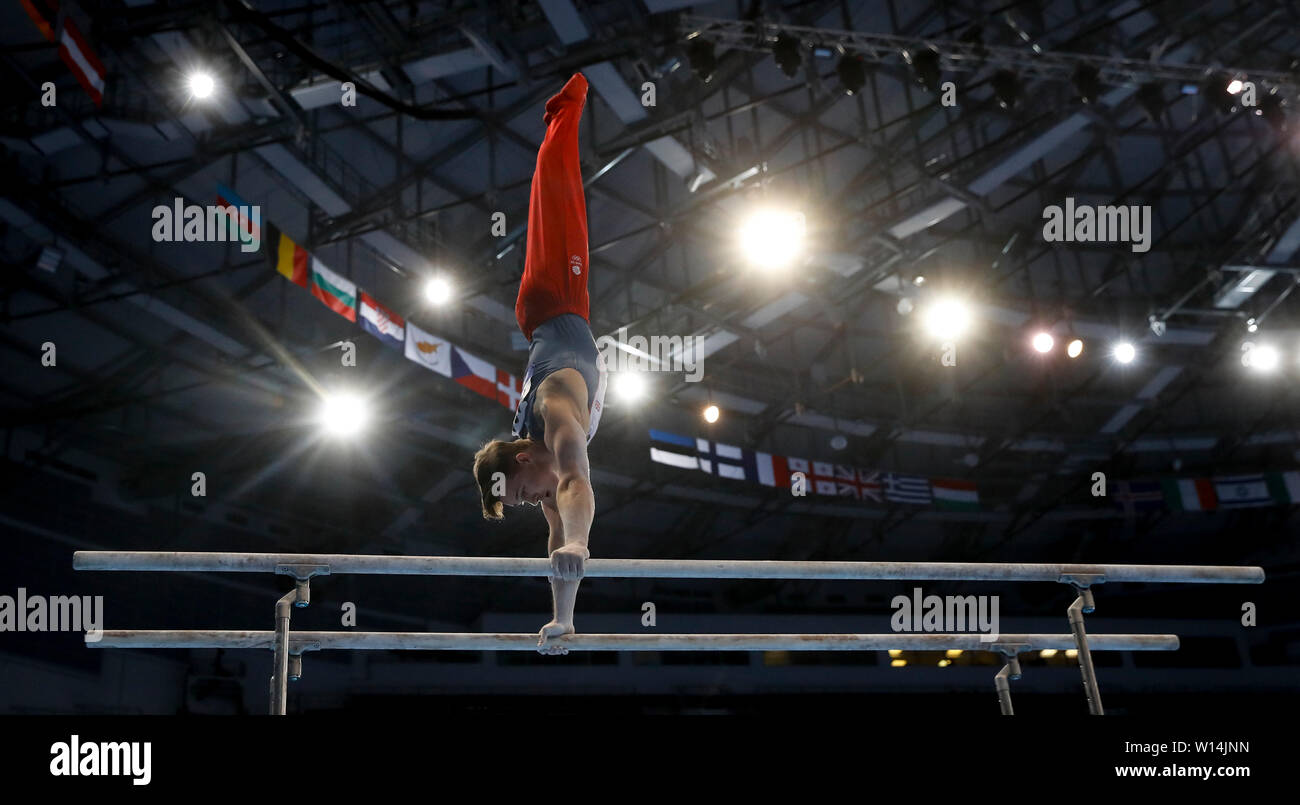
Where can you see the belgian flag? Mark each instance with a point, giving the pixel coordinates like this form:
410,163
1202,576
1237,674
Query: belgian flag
288,257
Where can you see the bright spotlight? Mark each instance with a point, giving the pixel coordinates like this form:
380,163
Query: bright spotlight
711,414
1043,342
437,291
1075,348
343,414
1125,352
947,318
1262,358
772,238
1234,86
202,84
629,385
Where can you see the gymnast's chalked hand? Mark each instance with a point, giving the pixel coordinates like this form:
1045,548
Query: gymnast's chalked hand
566,561
553,629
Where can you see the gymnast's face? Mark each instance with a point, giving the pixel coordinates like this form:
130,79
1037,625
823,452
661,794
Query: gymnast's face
532,483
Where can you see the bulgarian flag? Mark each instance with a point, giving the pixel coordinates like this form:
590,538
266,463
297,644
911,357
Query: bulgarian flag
337,292
1191,495
955,495
289,258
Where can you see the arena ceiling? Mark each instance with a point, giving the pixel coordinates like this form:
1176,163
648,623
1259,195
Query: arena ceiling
176,357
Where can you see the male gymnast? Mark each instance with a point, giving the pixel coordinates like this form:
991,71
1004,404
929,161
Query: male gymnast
564,385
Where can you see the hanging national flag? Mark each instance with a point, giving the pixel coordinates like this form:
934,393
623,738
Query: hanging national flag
290,259
869,484
336,291
1284,486
1242,491
243,229
1190,494
723,460
907,488
509,388
473,373
74,50
1136,496
427,350
955,495
382,323
673,449
767,469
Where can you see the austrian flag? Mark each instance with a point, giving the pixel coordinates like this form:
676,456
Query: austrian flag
73,47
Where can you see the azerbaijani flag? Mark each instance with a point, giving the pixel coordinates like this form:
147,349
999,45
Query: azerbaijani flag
337,292
1190,494
954,494
382,323
242,227
289,258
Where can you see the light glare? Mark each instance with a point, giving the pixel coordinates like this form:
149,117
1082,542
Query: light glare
202,85
1043,342
711,414
343,414
1075,348
772,238
437,291
629,385
1125,352
947,318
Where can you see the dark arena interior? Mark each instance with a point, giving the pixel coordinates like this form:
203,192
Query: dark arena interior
873,288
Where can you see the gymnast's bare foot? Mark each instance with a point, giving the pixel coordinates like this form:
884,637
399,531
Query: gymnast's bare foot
553,629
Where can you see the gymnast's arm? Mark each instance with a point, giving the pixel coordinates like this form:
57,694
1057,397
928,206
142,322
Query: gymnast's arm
574,500
574,508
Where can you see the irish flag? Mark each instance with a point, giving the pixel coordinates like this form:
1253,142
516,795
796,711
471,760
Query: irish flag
954,495
337,292
1191,494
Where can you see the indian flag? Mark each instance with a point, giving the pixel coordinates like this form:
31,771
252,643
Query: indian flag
1191,494
954,495
1285,486
337,292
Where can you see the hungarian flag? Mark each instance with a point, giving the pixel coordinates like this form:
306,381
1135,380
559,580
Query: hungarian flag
955,495
73,47
1190,494
336,291
289,258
